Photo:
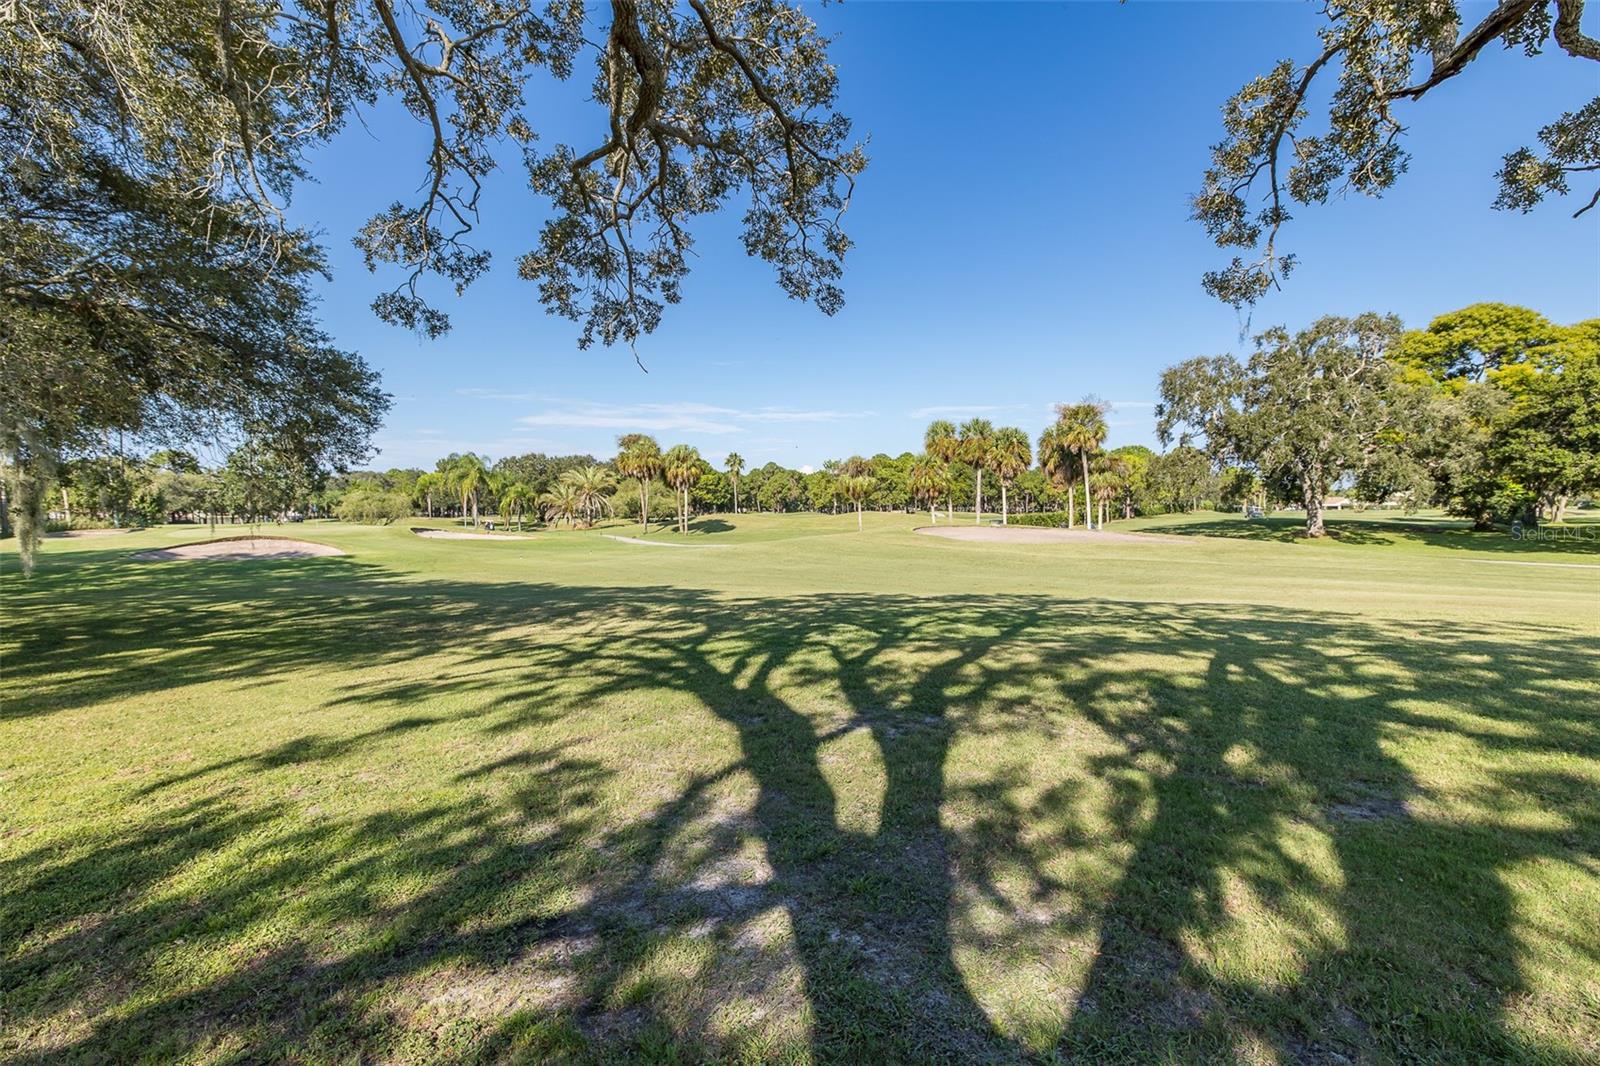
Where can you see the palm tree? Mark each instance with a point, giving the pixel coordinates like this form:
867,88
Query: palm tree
1012,456
941,442
681,465
856,482
1110,481
561,503
592,486
497,483
1083,431
422,492
977,450
929,479
639,457
515,499
470,477
1055,458
735,466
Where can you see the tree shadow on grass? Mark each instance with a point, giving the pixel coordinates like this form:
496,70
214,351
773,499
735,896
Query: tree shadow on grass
1272,528
1581,539
1103,830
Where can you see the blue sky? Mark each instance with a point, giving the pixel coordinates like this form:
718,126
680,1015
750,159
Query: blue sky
1021,238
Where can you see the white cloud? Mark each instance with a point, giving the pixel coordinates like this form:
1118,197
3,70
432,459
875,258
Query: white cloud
427,447
779,414
962,410
683,417
688,417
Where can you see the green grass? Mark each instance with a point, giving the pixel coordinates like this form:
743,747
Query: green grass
820,796
1579,536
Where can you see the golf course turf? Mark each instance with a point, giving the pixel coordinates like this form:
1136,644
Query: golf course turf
822,796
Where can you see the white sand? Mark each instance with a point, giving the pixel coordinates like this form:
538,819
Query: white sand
459,534
1039,535
89,533
237,548
660,543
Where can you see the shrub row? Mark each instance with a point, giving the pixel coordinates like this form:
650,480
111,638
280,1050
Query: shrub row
1040,518
373,506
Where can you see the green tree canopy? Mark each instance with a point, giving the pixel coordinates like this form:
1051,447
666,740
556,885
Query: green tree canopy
639,457
1549,441
1383,54
216,111
1180,479
1478,341
1308,409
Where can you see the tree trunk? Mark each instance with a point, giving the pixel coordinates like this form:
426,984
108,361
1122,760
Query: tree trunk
1005,512
474,510
858,516
1088,512
26,496
1312,498
1072,505
978,517
66,505
736,495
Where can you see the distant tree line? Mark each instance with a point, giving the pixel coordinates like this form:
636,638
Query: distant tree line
1492,412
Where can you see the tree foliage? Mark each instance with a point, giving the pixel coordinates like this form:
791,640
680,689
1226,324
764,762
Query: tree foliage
1308,409
1501,400
146,285
214,109
261,481
1181,479
1548,442
1382,54
373,506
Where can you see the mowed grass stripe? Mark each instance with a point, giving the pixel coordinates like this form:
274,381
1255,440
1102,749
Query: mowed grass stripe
829,797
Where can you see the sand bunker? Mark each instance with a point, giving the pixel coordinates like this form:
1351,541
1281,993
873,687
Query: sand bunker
1039,535
660,543
459,534
89,533
238,548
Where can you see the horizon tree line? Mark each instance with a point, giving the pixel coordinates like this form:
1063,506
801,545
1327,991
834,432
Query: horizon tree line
1492,412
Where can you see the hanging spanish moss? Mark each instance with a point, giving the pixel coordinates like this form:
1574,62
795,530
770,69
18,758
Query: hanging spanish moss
28,471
